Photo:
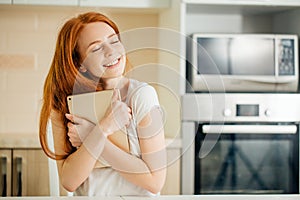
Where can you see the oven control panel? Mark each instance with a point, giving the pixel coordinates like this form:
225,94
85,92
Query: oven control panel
241,107
245,110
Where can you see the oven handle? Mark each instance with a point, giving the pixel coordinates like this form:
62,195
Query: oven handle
254,129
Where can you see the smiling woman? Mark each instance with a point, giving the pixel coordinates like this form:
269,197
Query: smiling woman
104,54
90,57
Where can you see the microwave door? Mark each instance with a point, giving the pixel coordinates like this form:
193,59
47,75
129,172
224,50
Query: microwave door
252,57
236,56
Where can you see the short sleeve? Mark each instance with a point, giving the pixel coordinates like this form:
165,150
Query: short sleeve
142,101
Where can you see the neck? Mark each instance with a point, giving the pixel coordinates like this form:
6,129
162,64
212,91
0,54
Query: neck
112,83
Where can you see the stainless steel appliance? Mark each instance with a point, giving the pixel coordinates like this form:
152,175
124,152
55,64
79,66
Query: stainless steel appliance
243,62
240,143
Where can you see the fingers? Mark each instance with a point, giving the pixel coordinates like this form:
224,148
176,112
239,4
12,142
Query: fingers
129,120
129,116
72,127
73,135
74,142
122,115
116,95
78,129
74,119
69,117
72,131
73,138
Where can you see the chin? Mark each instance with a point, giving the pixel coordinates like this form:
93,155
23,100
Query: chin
113,74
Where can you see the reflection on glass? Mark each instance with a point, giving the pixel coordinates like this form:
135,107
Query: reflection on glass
236,56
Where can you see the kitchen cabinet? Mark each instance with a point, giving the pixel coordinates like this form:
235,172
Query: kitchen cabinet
126,3
24,172
47,2
5,1
172,184
245,2
96,3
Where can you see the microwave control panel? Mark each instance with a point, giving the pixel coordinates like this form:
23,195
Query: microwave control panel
286,59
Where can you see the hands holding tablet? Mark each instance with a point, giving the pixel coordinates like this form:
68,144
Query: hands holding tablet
116,117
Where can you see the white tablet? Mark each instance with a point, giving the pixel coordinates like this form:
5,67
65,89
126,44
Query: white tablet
92,106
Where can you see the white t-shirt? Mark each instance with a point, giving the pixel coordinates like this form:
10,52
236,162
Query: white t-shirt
106,181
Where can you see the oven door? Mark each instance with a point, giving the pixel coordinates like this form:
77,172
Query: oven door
247,159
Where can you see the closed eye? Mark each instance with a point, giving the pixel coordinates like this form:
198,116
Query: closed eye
115,41
97,48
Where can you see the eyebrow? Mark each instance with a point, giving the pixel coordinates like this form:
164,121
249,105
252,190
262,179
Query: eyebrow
98,41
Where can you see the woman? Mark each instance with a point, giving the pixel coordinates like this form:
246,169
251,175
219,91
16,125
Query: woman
89,56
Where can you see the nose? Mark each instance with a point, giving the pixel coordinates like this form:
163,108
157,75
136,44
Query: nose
108,50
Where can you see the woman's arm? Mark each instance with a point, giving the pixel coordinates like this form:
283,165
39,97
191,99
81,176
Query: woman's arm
77,166
149,171
74,170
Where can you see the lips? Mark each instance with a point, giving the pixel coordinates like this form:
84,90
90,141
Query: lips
112,63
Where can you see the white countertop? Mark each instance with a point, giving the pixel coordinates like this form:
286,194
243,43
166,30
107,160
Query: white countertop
18,140
170,197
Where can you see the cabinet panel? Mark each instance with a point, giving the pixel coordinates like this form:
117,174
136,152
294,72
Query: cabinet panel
44,2
23,173
126,3
5,1
172,184
30,169
5,172
245,2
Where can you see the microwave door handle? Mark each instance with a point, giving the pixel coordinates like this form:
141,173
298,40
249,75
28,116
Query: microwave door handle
254,129
263,79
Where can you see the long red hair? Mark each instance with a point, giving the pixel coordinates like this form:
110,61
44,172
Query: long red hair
64,75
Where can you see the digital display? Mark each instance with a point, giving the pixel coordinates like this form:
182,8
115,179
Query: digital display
247,110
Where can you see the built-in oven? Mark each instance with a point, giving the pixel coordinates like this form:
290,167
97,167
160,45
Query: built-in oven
240,143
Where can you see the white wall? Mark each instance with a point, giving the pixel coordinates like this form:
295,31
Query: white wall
27,42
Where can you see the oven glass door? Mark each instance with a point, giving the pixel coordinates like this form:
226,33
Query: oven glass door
248,163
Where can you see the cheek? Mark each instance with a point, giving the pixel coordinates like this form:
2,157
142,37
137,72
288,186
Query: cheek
120,49
97,71
93,63
123,63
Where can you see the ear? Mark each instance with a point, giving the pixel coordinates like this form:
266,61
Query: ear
82,69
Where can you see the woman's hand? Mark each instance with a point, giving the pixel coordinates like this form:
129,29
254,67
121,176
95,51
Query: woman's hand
117,116
78,129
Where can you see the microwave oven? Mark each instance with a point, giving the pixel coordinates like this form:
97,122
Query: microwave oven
242,63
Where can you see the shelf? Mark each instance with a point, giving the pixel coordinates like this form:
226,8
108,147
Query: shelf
236,9
237,18
126,3
94,3
46,2
5,1
246,2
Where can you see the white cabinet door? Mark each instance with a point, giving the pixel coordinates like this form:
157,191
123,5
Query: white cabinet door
246,2
172,184
47,2
5,1
126,3
30,173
